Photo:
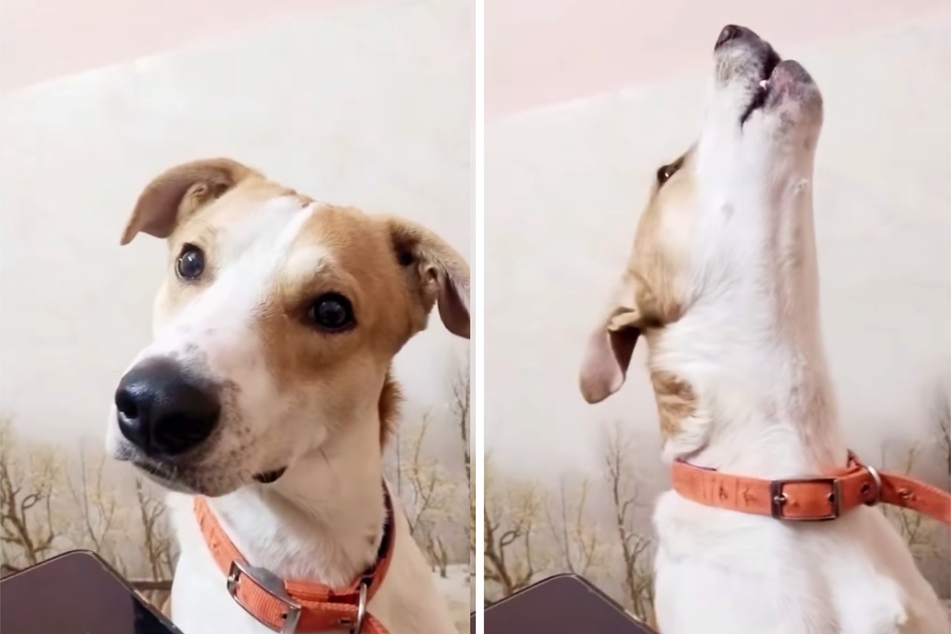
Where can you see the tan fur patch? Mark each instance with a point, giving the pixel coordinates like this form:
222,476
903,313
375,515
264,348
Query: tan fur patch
656,267
390,400
177,193
658,259
653,291
435,274
675,401
360,266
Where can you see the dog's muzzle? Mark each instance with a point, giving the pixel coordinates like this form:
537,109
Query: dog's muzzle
163,410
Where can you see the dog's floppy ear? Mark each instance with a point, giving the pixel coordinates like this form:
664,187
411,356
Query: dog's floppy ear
610,346
435,274
179,192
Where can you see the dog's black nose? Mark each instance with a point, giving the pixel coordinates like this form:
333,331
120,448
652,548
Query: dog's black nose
732,32
162,410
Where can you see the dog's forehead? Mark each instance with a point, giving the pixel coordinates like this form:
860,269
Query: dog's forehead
266,219
345,236
267,225
252,215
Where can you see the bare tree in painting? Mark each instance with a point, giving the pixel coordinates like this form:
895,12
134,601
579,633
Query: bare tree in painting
430,496
941,413
461,399
918,530
158,545
575,531
461,407
391,465
430,489
98,509
511,514
635,548
427,482
28,480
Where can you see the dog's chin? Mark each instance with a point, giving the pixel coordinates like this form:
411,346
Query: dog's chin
195,482
168,478
188,480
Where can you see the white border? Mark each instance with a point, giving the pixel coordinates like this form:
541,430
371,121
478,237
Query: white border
479,304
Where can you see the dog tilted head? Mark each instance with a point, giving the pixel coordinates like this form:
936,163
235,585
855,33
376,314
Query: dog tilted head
726,241
275,326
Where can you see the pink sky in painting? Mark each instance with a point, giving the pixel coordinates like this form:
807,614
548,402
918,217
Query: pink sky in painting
537,52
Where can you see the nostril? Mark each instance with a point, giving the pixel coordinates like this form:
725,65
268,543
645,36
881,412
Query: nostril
729,32
178,432
126,406
132,417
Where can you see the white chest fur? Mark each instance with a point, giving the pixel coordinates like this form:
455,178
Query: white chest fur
720,572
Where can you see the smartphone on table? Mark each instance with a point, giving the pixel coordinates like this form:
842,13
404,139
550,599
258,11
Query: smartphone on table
562,604
76,593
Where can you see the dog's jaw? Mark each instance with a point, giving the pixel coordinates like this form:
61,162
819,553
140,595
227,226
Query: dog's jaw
750,345
328,502
322,520
729,242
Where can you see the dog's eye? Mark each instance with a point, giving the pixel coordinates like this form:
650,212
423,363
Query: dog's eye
665,172
332,312
191,262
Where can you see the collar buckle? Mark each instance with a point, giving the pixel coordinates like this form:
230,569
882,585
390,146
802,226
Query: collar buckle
876,497
778,499
273,586
356,625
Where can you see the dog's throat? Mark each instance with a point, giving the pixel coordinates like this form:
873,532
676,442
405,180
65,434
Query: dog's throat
317,603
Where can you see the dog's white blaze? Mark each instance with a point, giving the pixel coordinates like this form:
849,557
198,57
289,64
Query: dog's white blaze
303,262
251,252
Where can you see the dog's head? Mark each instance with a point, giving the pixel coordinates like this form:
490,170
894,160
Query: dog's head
275,326
725,248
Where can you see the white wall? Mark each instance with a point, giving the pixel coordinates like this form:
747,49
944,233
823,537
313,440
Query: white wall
540,52
564,186
369,106
46,39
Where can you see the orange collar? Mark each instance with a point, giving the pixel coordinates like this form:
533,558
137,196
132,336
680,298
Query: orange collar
289,606
809,499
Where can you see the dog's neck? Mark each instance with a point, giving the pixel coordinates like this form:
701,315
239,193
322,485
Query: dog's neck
745,396
323,519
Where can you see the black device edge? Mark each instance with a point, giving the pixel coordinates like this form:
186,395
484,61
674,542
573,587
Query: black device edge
113,572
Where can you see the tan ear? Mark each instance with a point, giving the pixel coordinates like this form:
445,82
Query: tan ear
179,192
610,346
435,274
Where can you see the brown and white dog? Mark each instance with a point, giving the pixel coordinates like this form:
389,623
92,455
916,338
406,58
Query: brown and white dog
723,285
267,385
